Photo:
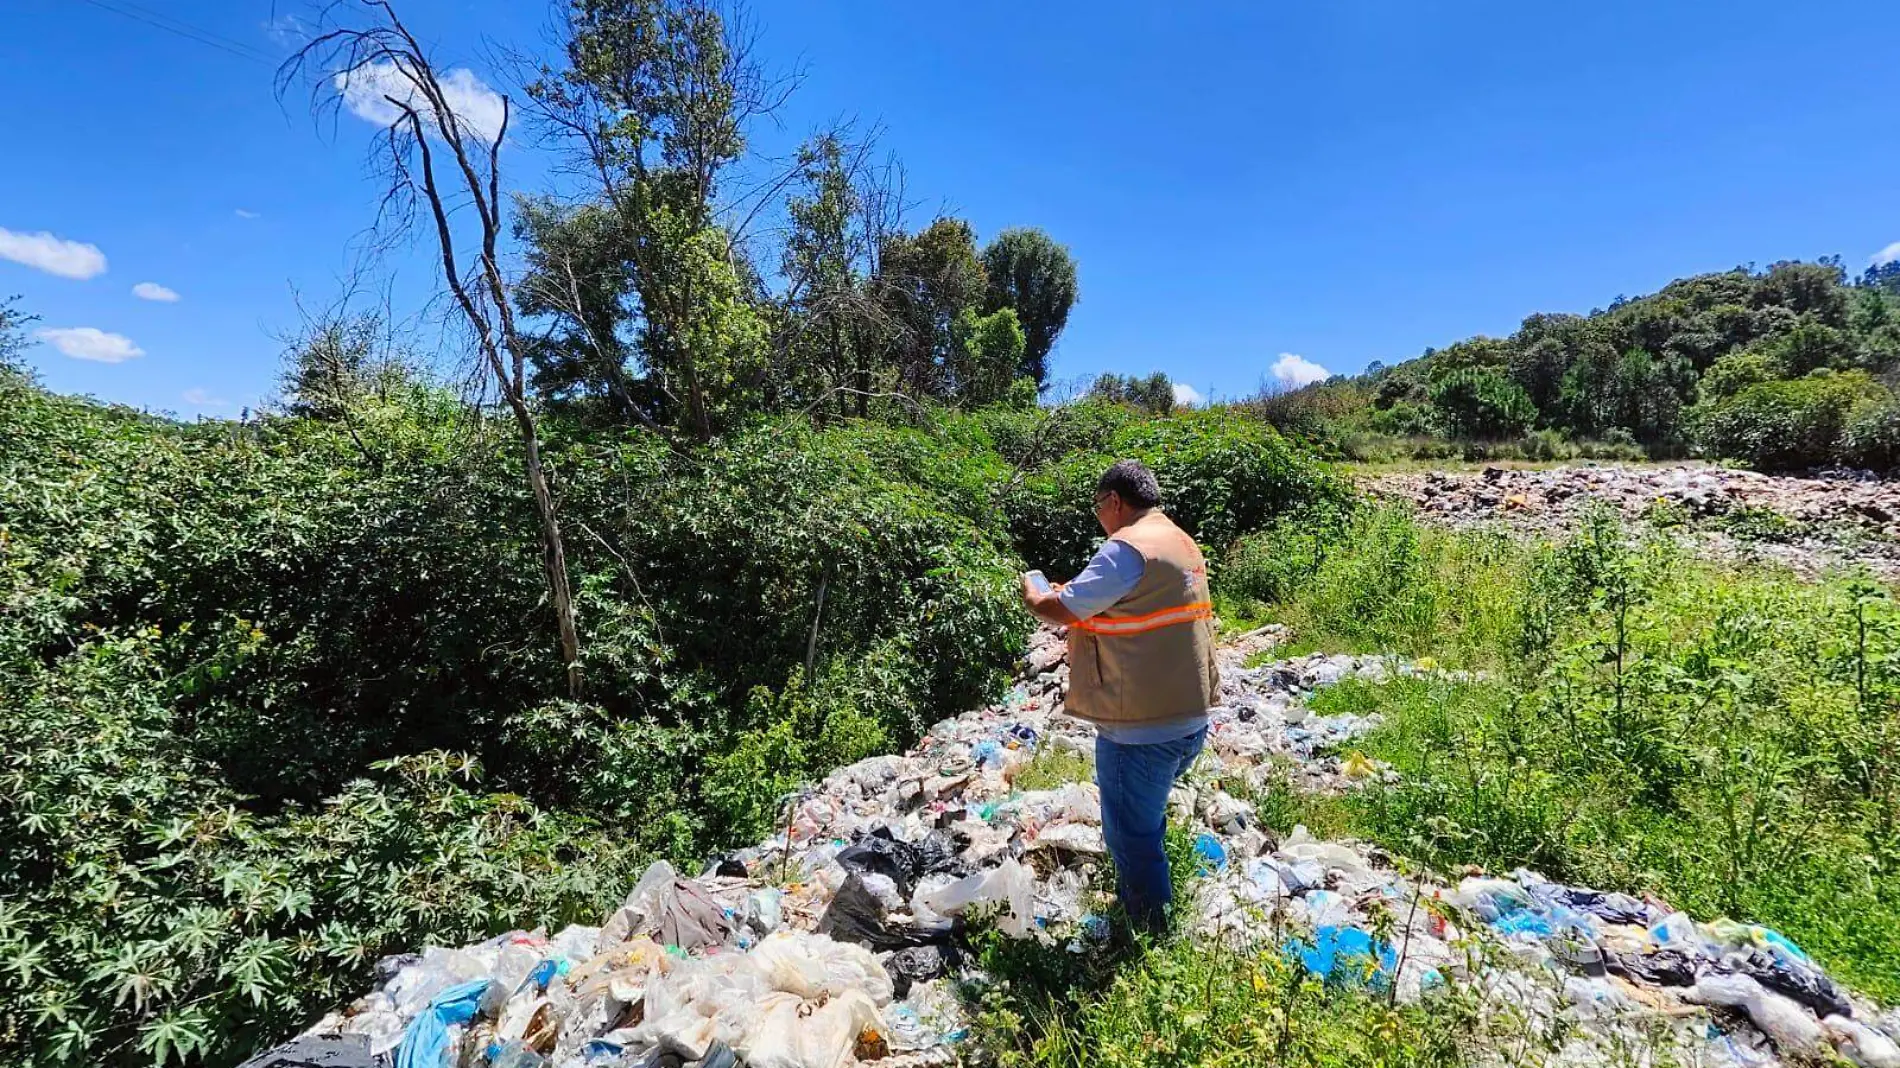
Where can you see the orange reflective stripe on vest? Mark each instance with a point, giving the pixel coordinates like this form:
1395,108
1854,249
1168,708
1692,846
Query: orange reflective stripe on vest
1167,617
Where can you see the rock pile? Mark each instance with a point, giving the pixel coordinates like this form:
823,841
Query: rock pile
837,940
1842,517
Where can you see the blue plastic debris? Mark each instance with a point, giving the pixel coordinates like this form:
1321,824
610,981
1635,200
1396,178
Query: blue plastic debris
426,1043
1213,855
1333,946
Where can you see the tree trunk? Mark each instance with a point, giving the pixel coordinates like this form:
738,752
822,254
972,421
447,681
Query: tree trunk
553,551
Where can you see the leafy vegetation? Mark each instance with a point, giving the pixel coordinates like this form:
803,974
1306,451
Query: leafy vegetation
1647,722
280,697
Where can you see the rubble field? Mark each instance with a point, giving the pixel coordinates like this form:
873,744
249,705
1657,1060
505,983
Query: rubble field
836,941
1837,519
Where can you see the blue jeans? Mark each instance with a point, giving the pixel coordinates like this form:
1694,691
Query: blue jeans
1135,780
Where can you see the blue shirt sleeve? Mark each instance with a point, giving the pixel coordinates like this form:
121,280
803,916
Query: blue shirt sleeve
1112,575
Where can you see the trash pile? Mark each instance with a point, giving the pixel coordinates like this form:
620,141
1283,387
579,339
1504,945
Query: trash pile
838,940
1837,516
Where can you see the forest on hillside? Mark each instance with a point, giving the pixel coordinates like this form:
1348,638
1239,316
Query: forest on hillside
1788,368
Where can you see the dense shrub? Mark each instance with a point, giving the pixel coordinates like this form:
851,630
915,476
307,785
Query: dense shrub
280,696
149,916
1477,403
1782,426
1221,474
1871,438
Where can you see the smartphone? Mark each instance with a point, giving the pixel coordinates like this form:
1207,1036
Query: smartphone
1039,583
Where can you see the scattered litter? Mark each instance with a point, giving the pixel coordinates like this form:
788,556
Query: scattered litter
837,939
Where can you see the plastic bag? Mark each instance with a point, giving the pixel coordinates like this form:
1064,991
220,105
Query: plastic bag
1008,884
1073,837
919,964
317,1051
857,915
881,854
787,1036
1793,978
813,966
426,1043
764,910
1861,1044
1787,1024
1491,899
1211,855
1345,954
439,969
1300,845
1664,967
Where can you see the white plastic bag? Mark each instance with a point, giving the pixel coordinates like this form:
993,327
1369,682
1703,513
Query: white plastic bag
1861,1044
813,966
1792,1028
1300,845
1009,884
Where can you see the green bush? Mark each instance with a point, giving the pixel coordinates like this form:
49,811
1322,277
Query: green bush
1548,445
1479,404
149,916
1222,474
282,696
1782,426
1403,419
1871,438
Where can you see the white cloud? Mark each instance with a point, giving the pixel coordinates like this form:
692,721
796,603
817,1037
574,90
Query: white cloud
54,255
154,291
200,397
243,214
1294,371
470,100
1886,255
1187,396
90,343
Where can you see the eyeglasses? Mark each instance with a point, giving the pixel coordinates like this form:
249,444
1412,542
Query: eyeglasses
1102,499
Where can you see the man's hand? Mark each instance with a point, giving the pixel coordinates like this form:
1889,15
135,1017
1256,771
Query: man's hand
1047,607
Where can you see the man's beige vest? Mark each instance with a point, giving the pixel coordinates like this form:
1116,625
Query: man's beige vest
1150,658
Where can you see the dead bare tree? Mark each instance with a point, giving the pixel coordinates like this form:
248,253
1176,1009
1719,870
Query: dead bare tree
366,40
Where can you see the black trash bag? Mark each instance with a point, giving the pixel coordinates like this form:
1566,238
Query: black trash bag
919,964
1611,908
1665,967
940,853
878,853
1801,981
730,867
317,1051
856,915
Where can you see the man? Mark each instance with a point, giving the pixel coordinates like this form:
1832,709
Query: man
1141,668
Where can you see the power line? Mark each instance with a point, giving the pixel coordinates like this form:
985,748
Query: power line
172,25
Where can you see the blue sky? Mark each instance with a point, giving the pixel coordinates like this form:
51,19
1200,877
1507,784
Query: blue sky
1346,182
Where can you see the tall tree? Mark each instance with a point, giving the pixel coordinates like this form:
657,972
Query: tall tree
436,159
926,280
1153,394
1029,272
654,102
578,278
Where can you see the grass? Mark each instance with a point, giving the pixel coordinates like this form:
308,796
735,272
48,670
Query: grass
1052,767
1729,740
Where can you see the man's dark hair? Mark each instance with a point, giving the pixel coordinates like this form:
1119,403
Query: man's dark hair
1133,482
